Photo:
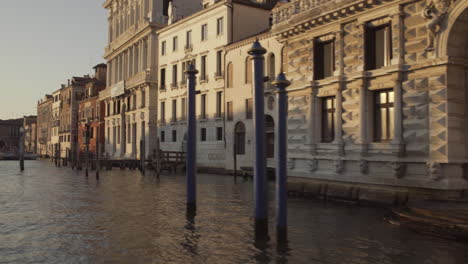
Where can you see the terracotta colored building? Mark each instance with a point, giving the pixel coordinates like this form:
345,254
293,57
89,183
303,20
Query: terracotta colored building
91,112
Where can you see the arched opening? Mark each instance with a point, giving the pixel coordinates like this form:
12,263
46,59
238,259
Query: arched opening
270,136
239,138
457,87
2,145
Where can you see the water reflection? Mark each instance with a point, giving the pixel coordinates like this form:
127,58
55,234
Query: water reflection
56,215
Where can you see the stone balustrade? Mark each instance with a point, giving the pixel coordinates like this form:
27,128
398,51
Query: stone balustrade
288,10
140,78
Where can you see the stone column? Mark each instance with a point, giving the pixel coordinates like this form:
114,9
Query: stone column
398,51
314,117
363,137
339,54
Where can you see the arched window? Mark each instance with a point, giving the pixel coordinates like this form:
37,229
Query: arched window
230,76
248,70
239,138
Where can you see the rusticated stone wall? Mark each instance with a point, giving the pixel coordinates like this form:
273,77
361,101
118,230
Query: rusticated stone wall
429,149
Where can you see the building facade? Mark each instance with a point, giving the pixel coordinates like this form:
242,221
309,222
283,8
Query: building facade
44,125
379,91
91,113
70,96
131,93
10,134
200,39
239,149
30,134
55,122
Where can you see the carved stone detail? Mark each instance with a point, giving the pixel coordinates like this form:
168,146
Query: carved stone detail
313,165
434,170
339,166
399,169
364,166
291,163
435,11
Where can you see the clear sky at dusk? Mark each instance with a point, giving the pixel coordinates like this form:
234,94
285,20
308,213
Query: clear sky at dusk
44,43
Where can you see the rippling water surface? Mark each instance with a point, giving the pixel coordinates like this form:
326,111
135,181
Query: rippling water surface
56,215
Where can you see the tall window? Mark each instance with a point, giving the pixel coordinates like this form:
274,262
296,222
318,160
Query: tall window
203,134
239,138
271,67
248,70
219,26
163,48
230,111
183,78
174,43
324,59
204,32
230,76
203,106
219,61
384,115
163,112
143,99
163,136
163,79
219,133
378,47
129,131
248,109
166,7
174,135
203,68
184,108
174,75
328,119
219,104
174,110
188,40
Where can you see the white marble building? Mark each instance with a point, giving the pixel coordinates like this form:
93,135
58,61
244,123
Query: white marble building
201,39
131,93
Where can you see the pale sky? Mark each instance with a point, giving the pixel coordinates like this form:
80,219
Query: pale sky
42,44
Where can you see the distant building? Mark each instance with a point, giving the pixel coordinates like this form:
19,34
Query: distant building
10,134
30,134
91,113
131,93
44,125
200,39
70,96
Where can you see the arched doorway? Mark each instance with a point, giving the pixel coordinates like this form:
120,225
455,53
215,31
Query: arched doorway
269,136
457,82
239,138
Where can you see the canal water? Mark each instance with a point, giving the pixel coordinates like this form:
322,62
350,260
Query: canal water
56,215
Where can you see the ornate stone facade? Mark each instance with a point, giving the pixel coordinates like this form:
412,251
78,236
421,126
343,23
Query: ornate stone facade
424,72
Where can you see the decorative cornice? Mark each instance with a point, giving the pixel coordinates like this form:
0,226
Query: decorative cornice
284,16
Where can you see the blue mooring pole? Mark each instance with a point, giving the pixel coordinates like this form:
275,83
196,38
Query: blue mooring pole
281,157
191,169
260,181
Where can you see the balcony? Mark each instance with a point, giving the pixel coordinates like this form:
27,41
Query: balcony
188,48
219,75
162,88
174,86
287,11
140,78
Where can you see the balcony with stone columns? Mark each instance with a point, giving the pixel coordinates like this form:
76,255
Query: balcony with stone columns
126,36
140,78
